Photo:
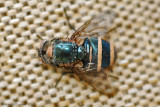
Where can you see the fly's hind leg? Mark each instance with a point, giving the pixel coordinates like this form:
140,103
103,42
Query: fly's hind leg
109,75
112,29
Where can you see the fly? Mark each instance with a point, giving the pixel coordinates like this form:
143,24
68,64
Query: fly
85,54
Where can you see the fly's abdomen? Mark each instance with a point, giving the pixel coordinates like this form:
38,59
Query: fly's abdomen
108,53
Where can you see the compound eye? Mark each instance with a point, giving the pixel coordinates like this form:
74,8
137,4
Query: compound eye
43,52
44,45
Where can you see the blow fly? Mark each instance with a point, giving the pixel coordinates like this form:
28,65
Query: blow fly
85,54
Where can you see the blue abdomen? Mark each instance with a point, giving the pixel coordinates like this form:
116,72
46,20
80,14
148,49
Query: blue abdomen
93,42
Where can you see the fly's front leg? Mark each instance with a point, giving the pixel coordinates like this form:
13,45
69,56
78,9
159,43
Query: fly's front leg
71,26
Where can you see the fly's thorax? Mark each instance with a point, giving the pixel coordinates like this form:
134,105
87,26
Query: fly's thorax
81,52
65,52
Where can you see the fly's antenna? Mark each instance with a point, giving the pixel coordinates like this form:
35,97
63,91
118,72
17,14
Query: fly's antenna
40,37
71,26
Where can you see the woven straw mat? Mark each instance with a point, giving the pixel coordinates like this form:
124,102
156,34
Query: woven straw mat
24,81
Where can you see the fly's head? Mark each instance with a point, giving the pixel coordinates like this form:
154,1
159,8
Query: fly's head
45,52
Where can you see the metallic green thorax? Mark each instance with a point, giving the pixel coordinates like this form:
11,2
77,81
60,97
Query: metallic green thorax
66,52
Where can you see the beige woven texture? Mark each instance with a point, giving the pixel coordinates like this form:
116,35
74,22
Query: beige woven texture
25,82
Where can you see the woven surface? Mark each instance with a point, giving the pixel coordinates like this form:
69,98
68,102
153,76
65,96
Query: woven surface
25,82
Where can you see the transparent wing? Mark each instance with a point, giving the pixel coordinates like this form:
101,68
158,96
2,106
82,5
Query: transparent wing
101,81
100,24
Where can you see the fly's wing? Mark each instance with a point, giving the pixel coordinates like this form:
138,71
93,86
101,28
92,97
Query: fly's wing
101,81
100,25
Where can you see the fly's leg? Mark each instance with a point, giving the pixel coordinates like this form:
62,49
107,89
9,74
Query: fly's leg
64,73
110,75
115,77
112,29
40,37
71,26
